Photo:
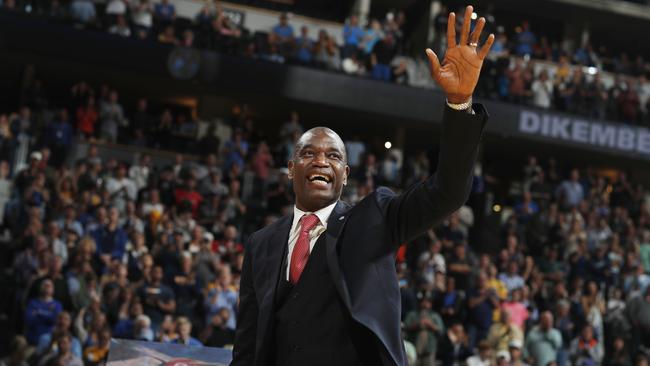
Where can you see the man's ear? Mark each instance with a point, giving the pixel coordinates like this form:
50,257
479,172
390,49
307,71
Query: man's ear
345,177
290,166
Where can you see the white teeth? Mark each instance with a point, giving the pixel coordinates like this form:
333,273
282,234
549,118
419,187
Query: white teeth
314,176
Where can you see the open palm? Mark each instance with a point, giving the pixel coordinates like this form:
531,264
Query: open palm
461,67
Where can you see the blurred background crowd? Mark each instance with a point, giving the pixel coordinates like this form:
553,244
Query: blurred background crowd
96,245
525,66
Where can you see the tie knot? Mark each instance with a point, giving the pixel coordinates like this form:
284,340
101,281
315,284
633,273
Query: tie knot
309,222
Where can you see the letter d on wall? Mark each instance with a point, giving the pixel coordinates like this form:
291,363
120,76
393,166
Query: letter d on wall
529,122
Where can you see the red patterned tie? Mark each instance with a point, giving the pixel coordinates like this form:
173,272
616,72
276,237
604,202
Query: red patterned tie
300,253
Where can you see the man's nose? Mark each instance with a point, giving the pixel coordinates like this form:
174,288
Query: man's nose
320,159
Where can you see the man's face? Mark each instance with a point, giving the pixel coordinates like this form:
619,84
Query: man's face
318,169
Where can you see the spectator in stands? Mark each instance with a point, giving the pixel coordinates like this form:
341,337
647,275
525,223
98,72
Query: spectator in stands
221,296
157,298
481,301
87,116
168,36
526,39
518,78
111,239
59,138
282,35
164,12
543,341
425,330
542,90
116,8
62,326
629,103
585,349
112,117
455,348
352,37
381,57
484,356
83,11
217,334
62,352
304,46
235,151
570,192
142,18
373,35
96,354
184,329
121,27
326,52
41,313
19,353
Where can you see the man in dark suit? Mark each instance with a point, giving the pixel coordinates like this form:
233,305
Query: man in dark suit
319,287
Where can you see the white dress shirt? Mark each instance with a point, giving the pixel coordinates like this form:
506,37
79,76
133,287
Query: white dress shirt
323,214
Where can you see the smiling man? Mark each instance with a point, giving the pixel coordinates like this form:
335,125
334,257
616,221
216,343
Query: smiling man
319,287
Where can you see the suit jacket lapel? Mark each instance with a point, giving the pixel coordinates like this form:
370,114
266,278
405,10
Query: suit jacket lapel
335,225
276,248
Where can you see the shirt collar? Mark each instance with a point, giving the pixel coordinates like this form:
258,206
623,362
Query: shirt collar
323,214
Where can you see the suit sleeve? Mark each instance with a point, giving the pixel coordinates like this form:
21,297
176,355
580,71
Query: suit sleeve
246,333
424,204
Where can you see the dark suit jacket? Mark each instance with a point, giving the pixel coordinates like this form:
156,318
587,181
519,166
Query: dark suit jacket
360,243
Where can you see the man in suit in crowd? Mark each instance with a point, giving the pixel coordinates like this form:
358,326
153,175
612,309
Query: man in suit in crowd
319,287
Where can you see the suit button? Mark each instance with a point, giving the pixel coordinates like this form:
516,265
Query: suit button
295,295
295,322
296,348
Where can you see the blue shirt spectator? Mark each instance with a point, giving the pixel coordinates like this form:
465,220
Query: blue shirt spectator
111,239
283,30
41,313
236,151
63,323
525,40
59,132
184,328
165,11
221,298
83,10
352,33
372,36
526,209
304,46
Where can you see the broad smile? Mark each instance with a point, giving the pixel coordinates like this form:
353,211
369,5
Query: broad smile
319,180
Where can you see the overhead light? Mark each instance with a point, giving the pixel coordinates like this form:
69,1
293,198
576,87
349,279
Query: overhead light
496,208
474,16
387,145
592,70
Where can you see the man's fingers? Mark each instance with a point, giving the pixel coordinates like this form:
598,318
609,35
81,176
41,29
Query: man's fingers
467,20
435,64
486,47
476,34
451,30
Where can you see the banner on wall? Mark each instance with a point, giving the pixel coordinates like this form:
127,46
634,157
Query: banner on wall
139,353
614,137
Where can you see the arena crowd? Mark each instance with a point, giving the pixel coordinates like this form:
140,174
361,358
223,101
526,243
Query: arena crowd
103,248
380,50
100,247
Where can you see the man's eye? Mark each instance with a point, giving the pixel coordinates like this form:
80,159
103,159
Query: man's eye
307,153
334,156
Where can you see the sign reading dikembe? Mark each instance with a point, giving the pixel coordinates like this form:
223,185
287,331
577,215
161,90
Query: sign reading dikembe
137,353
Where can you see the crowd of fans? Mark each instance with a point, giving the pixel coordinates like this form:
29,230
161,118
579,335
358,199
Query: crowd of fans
101,248
378,50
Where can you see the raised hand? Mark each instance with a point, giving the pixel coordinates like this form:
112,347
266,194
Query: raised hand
461,66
